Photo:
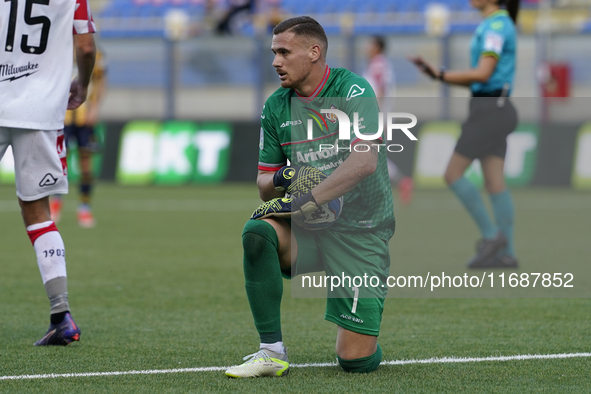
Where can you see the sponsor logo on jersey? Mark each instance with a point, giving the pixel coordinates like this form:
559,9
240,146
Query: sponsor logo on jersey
48,180
11,71
291,123
317,117
355,91
332,118
314,155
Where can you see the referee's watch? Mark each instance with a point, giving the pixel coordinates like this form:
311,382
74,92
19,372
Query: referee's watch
441,75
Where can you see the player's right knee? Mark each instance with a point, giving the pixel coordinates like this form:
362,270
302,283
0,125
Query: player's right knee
256,234
362,365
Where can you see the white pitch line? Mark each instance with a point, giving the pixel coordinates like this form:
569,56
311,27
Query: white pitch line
443,360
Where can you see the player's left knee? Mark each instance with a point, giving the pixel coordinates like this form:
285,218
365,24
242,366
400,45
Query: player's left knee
257,235
364,364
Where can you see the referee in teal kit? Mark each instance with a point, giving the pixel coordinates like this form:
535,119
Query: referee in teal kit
484,134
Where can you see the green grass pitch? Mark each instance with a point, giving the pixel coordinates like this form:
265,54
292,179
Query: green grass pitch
158,285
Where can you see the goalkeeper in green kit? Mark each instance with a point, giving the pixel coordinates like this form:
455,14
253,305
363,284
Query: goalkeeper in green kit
356,244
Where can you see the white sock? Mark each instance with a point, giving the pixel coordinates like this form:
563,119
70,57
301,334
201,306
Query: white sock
276,347
50,250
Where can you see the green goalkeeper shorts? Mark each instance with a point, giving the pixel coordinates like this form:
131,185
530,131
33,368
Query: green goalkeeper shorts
360,262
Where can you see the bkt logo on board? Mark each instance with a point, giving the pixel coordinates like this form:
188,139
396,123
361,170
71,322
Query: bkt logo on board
174,153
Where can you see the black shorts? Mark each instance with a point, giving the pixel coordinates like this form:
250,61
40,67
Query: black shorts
485,131
84,136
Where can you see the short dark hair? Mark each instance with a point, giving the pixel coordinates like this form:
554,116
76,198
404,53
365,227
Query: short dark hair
304,26
380,42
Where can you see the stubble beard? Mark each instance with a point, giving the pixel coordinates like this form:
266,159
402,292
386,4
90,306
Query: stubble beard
295,84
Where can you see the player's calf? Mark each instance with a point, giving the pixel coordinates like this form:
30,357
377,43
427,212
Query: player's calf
263,282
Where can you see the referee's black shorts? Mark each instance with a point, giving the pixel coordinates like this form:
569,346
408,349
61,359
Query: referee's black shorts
485,132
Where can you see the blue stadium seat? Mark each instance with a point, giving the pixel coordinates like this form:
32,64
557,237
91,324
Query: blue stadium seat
196,10
305,7
291,6
373,6
150,11
349,5
423,4
112,11
377,24
458,5
364,7
329,6
130,10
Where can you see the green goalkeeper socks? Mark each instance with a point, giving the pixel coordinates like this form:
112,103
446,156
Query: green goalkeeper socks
263,280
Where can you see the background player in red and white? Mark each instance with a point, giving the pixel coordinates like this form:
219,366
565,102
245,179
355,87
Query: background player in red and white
36,44
379,71
380,75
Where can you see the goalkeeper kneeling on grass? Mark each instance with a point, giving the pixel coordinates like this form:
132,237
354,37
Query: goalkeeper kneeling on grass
277,243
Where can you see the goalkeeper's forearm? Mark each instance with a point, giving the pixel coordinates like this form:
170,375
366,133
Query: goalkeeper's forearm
357,167
267,190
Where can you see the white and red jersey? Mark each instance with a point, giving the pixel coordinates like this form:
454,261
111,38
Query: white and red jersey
379,74
36,45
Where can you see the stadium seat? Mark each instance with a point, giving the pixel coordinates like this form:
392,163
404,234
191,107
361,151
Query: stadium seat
112,11
373,18
290,6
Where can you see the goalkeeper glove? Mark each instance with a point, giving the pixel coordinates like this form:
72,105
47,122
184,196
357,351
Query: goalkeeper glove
286,207
284,176
296,180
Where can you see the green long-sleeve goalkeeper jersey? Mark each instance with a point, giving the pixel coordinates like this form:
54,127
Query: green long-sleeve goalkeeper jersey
285,136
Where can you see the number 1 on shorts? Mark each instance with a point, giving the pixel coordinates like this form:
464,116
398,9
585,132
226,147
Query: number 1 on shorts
356,291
